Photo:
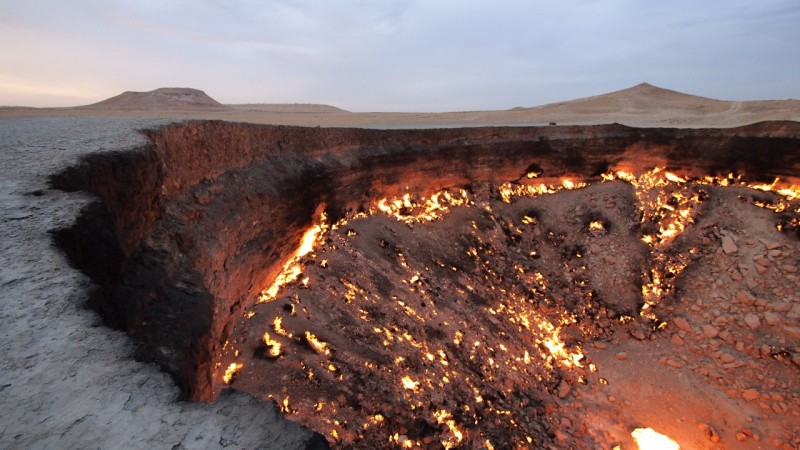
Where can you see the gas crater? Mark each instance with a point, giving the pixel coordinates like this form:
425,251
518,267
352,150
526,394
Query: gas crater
460,288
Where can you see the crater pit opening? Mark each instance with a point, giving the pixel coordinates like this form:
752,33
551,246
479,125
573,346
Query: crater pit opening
461,288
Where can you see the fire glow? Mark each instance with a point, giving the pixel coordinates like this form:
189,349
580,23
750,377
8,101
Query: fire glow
649,439
522,338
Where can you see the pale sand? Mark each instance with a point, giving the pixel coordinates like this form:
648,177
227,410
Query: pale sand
643,105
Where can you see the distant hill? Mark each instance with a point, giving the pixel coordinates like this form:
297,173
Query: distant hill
645,104
641,98
163,98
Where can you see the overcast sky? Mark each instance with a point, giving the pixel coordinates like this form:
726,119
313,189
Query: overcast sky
396,55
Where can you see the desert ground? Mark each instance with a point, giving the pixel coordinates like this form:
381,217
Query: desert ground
722,372
643,105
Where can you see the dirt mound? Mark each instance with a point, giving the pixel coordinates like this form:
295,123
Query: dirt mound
163,98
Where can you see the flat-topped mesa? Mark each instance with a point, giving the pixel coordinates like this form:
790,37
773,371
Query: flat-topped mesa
192,227
162,98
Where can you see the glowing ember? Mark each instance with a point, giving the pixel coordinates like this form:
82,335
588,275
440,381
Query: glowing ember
230,372
409,384
596,226
649,439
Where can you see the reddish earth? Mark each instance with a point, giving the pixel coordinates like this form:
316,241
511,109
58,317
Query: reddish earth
515,320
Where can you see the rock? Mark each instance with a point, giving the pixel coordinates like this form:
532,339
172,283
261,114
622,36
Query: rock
682,324
782,307
711,434
741,437
745,298
726,358
710,331
673,363
728,246
622,356
752,321
792,331
771,318
750,394
563,389
677,340
761,261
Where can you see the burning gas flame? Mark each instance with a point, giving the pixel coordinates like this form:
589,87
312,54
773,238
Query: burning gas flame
410,209
273,346
318,345
292,270
409,384
230,372
649,439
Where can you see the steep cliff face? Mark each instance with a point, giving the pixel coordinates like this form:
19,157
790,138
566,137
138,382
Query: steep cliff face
191,228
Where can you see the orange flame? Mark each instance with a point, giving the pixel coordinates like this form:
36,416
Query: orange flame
230,372
649,439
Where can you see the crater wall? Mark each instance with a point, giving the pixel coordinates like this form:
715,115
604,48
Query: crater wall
189,229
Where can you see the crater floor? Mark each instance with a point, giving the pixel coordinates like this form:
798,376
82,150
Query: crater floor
550,318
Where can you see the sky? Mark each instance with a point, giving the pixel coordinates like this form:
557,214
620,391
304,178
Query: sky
396,55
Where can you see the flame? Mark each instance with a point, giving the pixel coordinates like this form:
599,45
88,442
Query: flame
230,372
412,210
409,384
318,345
510,190
292,269
596,225
649,439
443,417
274,347
278,327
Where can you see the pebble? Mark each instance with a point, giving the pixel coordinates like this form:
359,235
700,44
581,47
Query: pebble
682,324
673,363
728,246
563,389
622,356
726,358
771,318
752,320
745,298
677,340
711,435
741,437
792,331
710,331
750,394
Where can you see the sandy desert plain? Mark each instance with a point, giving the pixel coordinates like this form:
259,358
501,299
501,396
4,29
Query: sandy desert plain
538,313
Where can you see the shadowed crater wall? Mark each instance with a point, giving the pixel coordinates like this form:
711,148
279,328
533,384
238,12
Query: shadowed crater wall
189,229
